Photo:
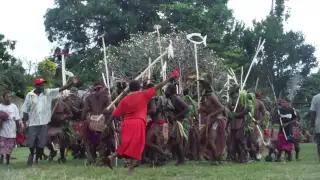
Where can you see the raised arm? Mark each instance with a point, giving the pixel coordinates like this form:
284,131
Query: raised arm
175,75
163,83
74,80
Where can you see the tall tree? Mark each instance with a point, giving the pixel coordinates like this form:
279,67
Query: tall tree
285,52
11,68
81,22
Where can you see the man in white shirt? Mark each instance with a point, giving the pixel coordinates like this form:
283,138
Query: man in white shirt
315,119
37,111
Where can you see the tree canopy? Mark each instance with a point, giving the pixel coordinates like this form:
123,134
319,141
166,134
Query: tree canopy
11,69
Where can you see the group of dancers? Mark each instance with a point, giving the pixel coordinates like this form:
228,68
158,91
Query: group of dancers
154,124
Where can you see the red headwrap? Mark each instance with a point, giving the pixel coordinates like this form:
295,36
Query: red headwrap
175,73
259,95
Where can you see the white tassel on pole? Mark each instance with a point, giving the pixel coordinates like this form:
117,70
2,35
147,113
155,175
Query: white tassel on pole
149,72
157,28
63,70
257,83
180,79
228,88
112,79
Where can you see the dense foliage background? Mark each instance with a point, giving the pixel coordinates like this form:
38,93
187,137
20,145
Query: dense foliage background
128,28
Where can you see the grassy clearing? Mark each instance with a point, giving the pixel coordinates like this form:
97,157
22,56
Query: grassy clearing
306,169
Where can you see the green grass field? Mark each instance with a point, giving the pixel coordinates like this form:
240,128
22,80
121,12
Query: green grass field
307,169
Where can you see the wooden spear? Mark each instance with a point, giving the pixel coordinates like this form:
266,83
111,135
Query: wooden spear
138,77
259,48
257,82
107,83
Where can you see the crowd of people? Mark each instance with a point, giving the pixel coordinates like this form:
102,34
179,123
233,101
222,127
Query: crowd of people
150,127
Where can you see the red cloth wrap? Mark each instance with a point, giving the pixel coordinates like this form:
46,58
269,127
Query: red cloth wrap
20,138
133,129
221,140
296,133
77,126
133,139
155,122
283,144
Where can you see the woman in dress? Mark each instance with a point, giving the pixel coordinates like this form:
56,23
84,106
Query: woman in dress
9,127
133,129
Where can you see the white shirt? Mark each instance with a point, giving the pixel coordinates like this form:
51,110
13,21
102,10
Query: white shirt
39,107
315,106
9,128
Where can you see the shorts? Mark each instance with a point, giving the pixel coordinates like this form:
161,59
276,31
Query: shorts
37,136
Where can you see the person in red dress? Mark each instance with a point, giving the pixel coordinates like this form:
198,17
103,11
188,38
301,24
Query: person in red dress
133,129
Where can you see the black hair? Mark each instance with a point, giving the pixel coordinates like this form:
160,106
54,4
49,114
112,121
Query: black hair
134,85
5,93
171,89
149,85
186,91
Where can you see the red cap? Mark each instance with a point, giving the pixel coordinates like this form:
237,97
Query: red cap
39,81
175,73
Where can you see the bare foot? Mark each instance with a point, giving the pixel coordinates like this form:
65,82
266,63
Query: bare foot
108,162
130,172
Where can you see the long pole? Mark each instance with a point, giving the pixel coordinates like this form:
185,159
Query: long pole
105,62
243,84
257,82
138,77
198,82
180,79
157,27
108,84
149,72
280,119
63,69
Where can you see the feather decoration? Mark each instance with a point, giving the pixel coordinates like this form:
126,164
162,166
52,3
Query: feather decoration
243,98
293,86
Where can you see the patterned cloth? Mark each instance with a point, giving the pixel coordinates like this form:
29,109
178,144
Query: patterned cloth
7,145
97,125
39,107
76,126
